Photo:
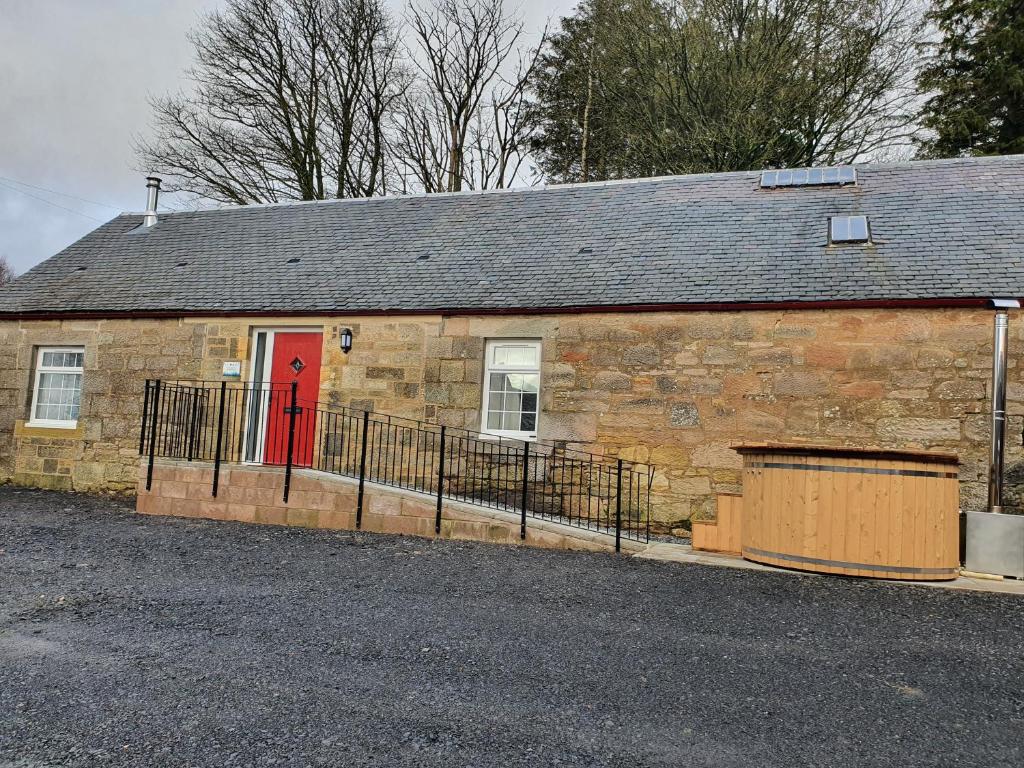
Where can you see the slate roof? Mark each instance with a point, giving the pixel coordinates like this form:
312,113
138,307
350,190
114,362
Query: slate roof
950,229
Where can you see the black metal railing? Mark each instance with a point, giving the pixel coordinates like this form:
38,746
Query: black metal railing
272,424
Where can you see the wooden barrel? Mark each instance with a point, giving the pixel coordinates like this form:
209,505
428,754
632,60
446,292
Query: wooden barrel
879,513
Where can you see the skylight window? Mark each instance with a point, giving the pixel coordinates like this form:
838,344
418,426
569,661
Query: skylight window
809,177
848,229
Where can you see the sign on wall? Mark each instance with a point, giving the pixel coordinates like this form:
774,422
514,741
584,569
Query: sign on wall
233,369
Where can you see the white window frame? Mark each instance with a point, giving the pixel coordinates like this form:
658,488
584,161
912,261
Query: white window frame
489,346
40,370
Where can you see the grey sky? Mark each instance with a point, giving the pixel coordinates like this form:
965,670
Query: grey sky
74,78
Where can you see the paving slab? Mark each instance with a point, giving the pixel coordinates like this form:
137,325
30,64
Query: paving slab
684,553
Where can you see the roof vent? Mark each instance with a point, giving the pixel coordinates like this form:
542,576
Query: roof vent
849,229
809,177
152,195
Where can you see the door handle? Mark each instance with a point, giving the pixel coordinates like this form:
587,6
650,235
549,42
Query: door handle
293,409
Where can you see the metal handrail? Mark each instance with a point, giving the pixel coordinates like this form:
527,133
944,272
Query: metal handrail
269,424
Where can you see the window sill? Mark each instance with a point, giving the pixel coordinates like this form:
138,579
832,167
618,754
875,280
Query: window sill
52,424
523,438
42,429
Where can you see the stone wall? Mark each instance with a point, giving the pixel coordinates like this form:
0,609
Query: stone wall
673,389
678,389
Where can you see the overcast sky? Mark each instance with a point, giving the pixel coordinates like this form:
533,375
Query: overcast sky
74,79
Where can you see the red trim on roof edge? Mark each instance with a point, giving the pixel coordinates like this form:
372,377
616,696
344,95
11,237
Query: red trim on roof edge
608,309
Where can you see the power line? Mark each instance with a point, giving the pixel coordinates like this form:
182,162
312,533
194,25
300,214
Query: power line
49,202
62,194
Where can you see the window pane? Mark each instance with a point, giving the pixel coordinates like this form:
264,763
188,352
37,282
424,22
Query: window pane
497,382
62,359
531,382
858,228
59,396
516,356
529,422
512,402
494,420
530,402
494,402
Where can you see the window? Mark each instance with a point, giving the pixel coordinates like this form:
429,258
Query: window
809,177
848,229
57,393
511,388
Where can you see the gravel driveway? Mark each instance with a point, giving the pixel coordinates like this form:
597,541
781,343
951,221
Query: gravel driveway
127,640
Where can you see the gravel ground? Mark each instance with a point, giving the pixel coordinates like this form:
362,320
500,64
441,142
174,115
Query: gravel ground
127,640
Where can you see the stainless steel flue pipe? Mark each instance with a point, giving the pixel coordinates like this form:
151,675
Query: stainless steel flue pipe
152,197
995,467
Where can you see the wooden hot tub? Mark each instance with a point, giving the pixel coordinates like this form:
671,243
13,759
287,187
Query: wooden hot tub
879,513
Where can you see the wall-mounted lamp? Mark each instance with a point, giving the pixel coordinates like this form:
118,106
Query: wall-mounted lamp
346,340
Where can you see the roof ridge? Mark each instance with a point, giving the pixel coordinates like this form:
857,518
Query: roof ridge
981,159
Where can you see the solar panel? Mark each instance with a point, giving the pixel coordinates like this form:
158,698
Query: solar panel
809,177
848,229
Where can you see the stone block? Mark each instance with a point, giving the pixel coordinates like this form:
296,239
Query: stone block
960,389
452,370
918,430
716,455
645,355
799,384
684,415
613,381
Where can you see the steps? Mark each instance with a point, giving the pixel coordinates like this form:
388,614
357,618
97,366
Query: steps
723,533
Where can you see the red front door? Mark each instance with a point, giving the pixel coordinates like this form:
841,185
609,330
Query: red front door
296,358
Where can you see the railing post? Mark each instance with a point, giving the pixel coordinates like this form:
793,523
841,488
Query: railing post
526,479
192,424
362,470
220,437
618,507
291,441
440,484
152,433
145,419
647,502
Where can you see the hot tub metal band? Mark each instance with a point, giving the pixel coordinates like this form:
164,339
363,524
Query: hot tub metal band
854,470
843,564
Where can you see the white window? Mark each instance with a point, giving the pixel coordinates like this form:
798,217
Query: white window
57,393
849,229
511,388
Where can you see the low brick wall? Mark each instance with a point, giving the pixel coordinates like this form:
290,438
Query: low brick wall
253,494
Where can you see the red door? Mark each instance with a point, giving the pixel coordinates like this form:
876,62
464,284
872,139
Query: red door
296,358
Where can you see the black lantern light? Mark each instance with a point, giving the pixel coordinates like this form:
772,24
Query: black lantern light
346,340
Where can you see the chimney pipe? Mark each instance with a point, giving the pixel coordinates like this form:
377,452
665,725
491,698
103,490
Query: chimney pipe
995,467
152,195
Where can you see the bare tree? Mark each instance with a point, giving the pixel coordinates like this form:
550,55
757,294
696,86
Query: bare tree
291,102
6,271
466,123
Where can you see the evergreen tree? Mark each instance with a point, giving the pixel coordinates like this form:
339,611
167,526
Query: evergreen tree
646,87
976,77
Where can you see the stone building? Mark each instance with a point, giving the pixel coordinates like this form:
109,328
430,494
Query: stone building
659,320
